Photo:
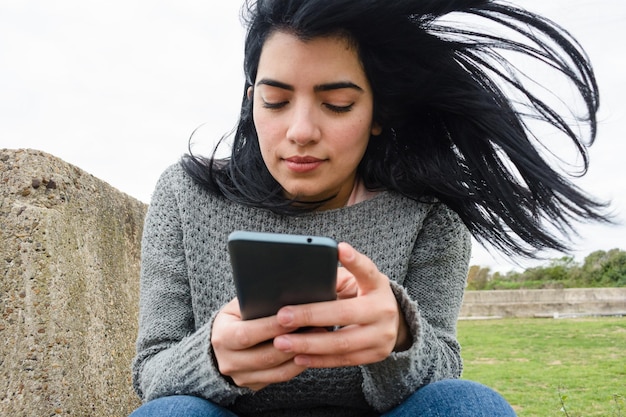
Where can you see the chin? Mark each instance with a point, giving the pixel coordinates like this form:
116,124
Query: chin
307,196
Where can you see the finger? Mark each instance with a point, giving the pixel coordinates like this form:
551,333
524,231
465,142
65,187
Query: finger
260,379
345,340
334,313
259,358
367,275
346,284
350,346
338,361
340,341
241,335
232,333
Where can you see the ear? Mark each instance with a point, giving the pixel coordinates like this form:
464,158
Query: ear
377,129
250,92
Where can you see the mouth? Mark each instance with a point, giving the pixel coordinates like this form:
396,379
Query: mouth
303,164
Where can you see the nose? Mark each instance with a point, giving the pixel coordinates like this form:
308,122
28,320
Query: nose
304,127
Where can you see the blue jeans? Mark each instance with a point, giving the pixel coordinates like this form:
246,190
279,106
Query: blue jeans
448,398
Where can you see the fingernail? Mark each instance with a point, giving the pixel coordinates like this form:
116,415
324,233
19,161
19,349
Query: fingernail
282,343
302,360
285,317
350,255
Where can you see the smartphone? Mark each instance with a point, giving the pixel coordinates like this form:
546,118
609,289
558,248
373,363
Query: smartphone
272,270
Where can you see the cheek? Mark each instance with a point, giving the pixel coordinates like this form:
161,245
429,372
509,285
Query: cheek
266,137
267,127
354,137
264,133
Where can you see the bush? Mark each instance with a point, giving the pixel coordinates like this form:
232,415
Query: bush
599,269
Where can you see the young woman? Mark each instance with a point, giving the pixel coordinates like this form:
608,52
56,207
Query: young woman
374,123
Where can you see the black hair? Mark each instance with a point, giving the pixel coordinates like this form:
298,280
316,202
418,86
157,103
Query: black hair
458,116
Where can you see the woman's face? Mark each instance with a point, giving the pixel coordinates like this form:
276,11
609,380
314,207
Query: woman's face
313,110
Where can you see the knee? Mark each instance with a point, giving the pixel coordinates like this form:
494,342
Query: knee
457,397
176,406
460,387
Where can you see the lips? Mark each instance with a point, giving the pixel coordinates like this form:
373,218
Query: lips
303,164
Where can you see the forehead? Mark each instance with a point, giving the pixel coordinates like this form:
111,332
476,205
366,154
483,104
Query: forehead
333,56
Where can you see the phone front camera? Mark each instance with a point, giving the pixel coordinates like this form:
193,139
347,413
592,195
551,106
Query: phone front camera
309,240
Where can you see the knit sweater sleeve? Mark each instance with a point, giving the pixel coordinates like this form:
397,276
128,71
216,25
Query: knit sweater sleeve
173,357
430,298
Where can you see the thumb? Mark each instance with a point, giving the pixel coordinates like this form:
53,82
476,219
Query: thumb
232,308
367,275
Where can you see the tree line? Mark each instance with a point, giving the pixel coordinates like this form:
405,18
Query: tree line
599,269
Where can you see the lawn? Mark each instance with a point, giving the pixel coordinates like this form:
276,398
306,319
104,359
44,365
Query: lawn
536,362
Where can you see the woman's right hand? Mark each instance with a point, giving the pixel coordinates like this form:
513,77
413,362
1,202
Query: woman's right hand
244,350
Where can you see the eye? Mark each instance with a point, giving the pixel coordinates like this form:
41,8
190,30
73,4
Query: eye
339,109
274,105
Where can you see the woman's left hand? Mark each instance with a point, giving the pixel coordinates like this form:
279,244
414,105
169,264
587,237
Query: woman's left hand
370,320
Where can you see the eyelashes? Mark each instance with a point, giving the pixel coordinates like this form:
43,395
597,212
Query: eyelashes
274,106
339,109
331,107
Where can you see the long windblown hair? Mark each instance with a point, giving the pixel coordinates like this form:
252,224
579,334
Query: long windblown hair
459,116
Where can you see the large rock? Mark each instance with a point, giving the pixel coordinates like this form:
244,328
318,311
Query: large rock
68,289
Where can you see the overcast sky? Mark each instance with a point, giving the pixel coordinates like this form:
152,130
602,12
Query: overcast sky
116,87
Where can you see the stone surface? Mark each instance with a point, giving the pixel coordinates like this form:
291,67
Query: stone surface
545,303
69,279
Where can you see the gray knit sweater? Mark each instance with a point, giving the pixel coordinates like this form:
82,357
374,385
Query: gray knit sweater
186,278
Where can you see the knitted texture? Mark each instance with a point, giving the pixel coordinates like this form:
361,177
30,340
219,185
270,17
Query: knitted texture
186,278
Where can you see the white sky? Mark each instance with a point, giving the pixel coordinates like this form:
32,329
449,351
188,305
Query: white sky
116,87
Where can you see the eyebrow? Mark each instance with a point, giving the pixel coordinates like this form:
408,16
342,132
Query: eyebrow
318,88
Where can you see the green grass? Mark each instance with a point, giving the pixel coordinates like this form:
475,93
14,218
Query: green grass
535,362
